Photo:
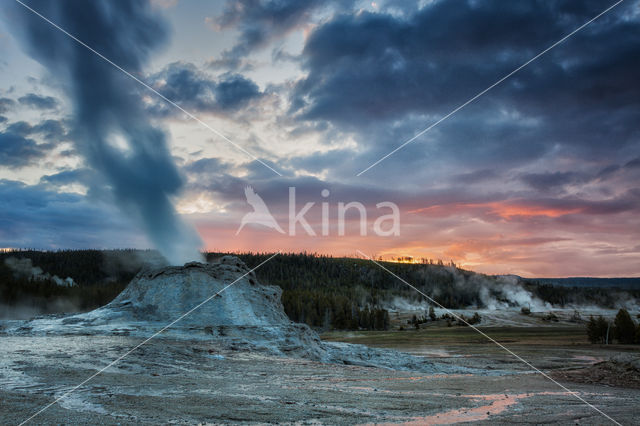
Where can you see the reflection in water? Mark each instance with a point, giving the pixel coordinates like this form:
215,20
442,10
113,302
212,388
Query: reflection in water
497,403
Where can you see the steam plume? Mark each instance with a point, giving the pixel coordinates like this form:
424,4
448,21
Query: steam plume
23,267
111,128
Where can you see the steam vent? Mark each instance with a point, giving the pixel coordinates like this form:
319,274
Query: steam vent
245,316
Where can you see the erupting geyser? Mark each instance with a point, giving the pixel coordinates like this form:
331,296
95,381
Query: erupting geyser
111,128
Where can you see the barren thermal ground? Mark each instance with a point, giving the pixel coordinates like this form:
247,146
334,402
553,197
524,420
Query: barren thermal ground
182,381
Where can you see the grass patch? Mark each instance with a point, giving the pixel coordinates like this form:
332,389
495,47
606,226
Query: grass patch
440,336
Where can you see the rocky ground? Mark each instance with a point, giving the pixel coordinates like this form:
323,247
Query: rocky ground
620,371
189,382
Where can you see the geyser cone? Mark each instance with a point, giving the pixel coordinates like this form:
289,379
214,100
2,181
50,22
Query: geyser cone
167,293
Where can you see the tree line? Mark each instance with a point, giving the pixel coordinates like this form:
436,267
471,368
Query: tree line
623,329
322,291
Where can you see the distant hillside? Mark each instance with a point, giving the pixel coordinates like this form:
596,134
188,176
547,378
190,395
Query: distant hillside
327,292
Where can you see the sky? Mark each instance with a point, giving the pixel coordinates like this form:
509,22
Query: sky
536,177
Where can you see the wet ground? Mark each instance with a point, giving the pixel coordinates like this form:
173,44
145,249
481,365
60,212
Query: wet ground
190,382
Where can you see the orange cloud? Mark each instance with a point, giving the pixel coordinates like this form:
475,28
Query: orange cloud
509,210
503,209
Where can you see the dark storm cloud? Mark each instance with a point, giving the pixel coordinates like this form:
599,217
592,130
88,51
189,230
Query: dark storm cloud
3,119
477,176
67,177
32,216
194,90
17,151
205,166
19,148
608,171
377,65
635,163
39,102
234,91
21,128
107,105
380,75
50,130
552,181
546,181
6,104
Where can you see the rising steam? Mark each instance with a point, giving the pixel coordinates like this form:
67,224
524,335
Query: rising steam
111,128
